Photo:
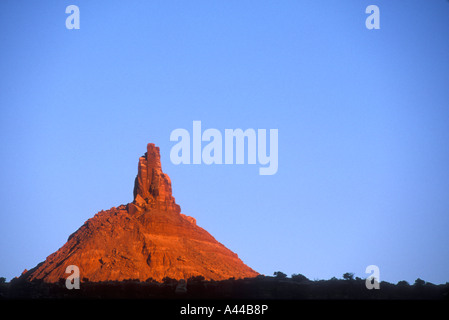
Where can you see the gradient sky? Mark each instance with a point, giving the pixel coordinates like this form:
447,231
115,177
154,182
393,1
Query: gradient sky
363,120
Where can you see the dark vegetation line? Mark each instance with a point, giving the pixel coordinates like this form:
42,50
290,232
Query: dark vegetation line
278,286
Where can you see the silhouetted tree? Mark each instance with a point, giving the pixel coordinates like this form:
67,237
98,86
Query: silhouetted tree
403,283
419,282
169,281
280,275
348,276
2,280
196,279
299,278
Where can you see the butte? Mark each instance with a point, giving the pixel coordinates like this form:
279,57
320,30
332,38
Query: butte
148,238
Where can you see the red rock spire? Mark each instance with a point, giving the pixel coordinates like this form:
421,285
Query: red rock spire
152,187
148,238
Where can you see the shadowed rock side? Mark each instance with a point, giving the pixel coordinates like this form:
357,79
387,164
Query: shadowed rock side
148,238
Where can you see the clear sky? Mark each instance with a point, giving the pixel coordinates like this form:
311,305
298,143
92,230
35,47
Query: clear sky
363,120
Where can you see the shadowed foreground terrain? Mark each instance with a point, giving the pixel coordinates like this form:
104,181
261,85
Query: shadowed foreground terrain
261,287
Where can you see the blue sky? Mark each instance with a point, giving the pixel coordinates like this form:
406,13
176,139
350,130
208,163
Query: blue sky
363,120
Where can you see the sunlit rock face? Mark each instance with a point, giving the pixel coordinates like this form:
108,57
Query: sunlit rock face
153,187
148,238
